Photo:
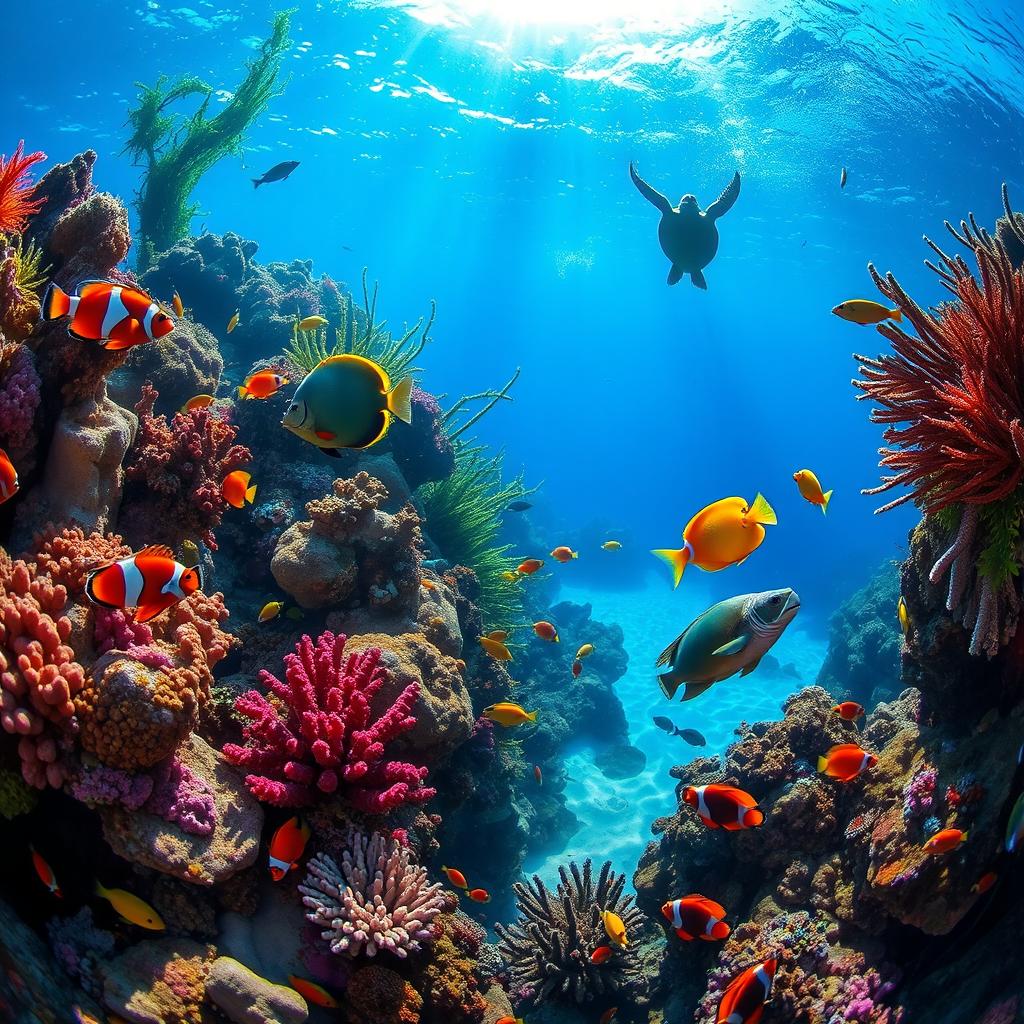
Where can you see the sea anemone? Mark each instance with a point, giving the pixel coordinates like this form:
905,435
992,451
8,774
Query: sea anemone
16,204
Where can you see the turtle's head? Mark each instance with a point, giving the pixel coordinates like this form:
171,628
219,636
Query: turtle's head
688,204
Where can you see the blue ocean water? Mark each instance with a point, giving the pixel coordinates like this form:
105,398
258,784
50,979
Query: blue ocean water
475,152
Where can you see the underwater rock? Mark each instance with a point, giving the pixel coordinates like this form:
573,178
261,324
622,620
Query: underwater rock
232,846
246,998
421,449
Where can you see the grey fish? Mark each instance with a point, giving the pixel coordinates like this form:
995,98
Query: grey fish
694,738
518,506
731,636
279,172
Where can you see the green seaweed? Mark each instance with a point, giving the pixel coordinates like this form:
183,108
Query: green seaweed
30,274
358,332
178,150
1000,524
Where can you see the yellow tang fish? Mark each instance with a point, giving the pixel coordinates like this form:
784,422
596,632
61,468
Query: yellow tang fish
132,909
495,648
723,533
271,610
311,323
179,307
903,615
585,651
612,545
614,928
233,322
508,714
864,312
810,489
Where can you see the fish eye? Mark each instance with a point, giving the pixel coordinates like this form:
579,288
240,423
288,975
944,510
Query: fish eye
776,599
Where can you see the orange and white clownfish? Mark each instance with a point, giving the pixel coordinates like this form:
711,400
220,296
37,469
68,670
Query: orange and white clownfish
116,316
696,917
724,807
149,582
744,1000
287,847
8,478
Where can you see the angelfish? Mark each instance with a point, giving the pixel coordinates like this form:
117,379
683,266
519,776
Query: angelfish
731,636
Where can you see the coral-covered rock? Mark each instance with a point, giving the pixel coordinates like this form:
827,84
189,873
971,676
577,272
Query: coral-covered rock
380,996
19,402
246,998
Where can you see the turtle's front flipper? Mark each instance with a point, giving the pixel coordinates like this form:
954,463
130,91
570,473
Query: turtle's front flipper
652,195
675,274
723,204
697,277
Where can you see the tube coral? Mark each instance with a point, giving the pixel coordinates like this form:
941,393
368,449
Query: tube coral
16,202
330,741
377,900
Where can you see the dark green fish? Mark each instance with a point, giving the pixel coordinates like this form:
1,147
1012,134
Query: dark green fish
279,172
731,636
691,736
518,506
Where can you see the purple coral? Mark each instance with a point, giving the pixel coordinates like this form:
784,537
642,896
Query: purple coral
377,900
102,785
330,740
114,630
19,399
183,798
919,792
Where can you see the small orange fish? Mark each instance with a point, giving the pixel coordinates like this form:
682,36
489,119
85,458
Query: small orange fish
456,877
287,847
529,566
428,584
498,635
564,554
312,992
264,384
985,883
696,917
602,954
198,402
8,478
236,489
608,1016
496,649
944,841
849,710
45,873
577,668
546,631
479,895
538,775
233,322
720,806
845,761
179,306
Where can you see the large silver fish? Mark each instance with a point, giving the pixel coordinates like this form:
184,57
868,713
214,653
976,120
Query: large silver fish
731,636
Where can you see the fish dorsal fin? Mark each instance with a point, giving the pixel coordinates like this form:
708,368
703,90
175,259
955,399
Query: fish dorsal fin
841,748
732,647
155,551
91,285
668,655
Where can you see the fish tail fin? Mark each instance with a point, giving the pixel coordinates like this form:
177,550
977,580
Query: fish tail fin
762,513
575,554
250,494
822,763
532,716
256,182
400,400
98,889
824,505
963,838
753,817
56,303
895,314
720,931
243,391
677,558
669,684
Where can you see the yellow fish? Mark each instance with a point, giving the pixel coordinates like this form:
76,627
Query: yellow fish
611,545
864,312
198,402
496,649
723,533
614,928
511,577
501,635
810,489
585,651
508,714
311,323
132,909
179,307
271,610
189,553
233,322
903,615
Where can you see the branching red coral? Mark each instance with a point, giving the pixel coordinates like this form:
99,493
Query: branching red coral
16,202
183,465
330,741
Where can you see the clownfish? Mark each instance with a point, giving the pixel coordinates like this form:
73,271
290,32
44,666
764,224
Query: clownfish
287,847
148,581
696,917
8,478
724,807
845,761
744,1000
116,316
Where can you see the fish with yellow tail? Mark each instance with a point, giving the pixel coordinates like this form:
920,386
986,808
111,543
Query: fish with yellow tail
723,533
270,610
311,323
497,649
731,636
864,312
612,545
903,614
177,305
810,489
347,401
508,714
133,909
233,322
237,490
614,928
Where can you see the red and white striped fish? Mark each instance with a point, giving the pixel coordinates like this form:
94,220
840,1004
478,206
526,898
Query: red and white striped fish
696,917
724,807
116,316
744,1000
149,582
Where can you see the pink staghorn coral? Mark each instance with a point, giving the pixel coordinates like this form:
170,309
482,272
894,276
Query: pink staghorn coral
328,742
377,900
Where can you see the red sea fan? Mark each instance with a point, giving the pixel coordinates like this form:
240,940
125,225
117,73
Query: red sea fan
16,206
953,396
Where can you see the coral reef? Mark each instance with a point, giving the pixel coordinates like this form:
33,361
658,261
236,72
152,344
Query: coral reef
547,952
330,741
246,998
377,901
380,996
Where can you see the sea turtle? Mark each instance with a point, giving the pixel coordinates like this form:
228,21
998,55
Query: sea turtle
688,235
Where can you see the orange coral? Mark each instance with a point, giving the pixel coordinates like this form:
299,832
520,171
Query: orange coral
66,555
448,981
16,206
378,995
